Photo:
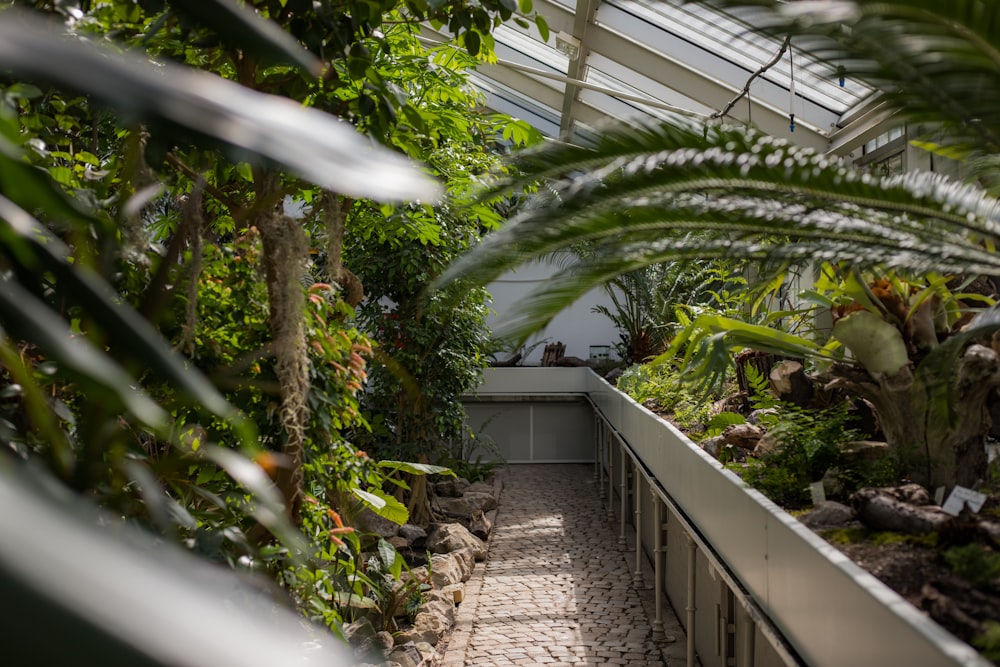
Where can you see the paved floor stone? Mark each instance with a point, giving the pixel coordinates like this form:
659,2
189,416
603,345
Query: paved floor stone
555,590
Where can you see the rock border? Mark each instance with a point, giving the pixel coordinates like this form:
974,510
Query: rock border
442,627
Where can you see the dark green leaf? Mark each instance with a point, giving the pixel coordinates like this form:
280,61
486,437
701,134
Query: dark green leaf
242,27
245,124
23,315
472,42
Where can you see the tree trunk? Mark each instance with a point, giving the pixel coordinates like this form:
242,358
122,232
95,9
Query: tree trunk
880,510
939,439
335,208
790,383
419,506
284,252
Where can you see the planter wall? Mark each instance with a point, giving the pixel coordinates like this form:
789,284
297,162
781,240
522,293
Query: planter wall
788,595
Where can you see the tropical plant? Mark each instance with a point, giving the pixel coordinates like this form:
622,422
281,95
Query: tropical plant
431,347
146,209
662,387
657,191
807,444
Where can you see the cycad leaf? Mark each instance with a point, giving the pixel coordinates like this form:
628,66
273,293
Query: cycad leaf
661,192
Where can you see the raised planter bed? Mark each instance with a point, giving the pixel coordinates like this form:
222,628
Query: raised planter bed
767,591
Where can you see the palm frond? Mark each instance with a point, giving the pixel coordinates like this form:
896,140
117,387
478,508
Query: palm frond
668,192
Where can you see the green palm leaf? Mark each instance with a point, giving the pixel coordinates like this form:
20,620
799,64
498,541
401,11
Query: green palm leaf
665,191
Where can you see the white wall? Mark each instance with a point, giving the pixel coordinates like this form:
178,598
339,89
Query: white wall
577,327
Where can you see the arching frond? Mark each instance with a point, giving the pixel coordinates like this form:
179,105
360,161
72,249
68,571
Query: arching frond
667,191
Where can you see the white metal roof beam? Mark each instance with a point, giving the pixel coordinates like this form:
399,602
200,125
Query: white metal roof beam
583,19
676,76
543,94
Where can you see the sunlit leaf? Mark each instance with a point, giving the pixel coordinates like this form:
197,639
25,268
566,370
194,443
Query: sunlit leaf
416,468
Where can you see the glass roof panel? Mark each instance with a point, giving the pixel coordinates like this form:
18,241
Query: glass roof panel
736,42
518,42
644,57
609,74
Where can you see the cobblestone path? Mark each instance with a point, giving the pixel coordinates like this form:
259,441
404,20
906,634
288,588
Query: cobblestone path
556,591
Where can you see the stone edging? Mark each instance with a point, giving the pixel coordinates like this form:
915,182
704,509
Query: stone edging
457,642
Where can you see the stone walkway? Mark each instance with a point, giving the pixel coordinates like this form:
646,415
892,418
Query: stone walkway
556,591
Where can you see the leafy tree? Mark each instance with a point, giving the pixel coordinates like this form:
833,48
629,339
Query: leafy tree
431,346
161,202
676,190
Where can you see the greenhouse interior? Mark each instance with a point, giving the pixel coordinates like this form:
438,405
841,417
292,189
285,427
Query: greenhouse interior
481,333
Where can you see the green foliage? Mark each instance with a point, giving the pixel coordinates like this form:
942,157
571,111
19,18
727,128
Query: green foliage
662,388
124,262
884,538
459,456
807,445
989,641
974,562
857,534
850,535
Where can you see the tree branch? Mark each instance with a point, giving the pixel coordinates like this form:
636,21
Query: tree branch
746,88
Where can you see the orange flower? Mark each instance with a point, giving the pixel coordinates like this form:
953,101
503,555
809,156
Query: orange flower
336,518
268,461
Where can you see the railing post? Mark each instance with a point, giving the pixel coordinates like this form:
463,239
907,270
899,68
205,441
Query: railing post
637,576
691,608
658,634
600,461
611,478
622,542
598,431
747,645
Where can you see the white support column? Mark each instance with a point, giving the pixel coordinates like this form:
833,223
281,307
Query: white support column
600,462
611,478
598,431
637,575
658,634
691,608
746,652
622,542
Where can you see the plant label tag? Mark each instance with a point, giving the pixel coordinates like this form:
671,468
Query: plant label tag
817,492
939,496
962,497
